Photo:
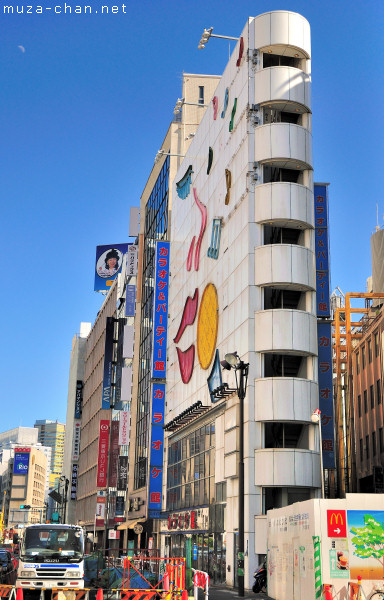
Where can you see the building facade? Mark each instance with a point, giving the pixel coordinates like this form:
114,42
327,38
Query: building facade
52,434
243,279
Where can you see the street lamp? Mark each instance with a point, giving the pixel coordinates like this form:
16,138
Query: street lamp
232,361
180,103
316,418
65,481
162,152
207,33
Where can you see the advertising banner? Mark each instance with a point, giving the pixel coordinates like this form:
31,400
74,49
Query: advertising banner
74,481
101,479
322,250
119,510
124,428
130,300
109,260
108,358
114,453
128,341
100,510
132,260
160,318
79,399
119,364
324,337
157,447
21,463
76,440
122,473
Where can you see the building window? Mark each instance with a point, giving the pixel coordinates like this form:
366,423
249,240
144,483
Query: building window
373,443
363,357
275,298
201,94
378,391
369,351
272,174
283,235
357,362
286,435
365,402
285,365
272,115
277,60
367,446
372,396
359,404
191,469
376,345
381,440
361,450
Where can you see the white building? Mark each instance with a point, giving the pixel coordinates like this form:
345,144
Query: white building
242,251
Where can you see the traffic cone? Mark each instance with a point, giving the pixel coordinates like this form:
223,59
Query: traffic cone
19,594
99,595
328,592
184,595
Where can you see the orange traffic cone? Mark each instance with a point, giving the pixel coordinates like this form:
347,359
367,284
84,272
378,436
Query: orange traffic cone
99,595
184,595
19,594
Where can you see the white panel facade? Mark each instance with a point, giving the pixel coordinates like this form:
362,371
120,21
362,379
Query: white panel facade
248,195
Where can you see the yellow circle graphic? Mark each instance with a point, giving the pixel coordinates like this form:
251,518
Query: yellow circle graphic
207,325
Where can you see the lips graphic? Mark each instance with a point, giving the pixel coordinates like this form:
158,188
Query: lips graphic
186,360
189,315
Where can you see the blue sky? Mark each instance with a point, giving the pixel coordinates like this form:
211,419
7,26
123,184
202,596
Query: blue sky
83,111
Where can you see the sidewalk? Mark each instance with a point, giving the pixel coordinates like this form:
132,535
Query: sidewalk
225,593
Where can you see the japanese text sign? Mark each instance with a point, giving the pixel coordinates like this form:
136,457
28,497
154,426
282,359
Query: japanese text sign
160,320
103,453
322,250
324,336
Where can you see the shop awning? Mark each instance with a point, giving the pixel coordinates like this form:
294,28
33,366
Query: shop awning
130,524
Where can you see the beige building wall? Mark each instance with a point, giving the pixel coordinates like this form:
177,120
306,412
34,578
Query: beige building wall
30,490
92,412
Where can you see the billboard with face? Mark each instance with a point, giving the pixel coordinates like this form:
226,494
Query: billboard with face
109,260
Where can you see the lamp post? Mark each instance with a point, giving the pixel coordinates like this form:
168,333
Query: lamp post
232,361
207,34
162,152
316,418
180,103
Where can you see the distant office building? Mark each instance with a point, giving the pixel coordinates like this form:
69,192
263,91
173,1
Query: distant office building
19,435
52,434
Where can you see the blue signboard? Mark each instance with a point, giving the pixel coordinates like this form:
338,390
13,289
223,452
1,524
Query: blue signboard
108,358
130,300
160,321
109,260
157,447
324,336
21,463
322,250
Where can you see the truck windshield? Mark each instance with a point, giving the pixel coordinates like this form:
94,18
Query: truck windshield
53,543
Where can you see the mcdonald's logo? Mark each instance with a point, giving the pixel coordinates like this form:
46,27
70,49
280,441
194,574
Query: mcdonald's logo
337,523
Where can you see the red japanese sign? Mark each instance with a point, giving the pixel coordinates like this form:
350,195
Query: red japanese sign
102,462
337,523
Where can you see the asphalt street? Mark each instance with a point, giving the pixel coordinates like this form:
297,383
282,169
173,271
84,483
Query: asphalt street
224,593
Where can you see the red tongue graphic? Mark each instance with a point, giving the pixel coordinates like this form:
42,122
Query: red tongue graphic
189,314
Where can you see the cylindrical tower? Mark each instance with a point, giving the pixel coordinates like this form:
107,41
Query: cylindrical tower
286,460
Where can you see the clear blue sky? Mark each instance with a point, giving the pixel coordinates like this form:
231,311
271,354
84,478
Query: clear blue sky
82,113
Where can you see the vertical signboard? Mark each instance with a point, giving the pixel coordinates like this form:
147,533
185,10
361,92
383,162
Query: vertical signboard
132,260
130,300
124,428
324,337
101,479
108,358
119,510
76,440
109,260
156,450
74,481
322,250
122,473
79,399
114,453
100,510
160,321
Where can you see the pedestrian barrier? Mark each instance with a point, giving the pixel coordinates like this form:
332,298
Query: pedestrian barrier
7,591
170,575
355,590
200,580
69,593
